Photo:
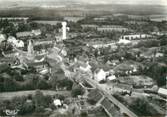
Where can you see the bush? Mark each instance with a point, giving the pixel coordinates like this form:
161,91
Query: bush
84,114
61,97
40,100
27,108
2,108
39,109
65,83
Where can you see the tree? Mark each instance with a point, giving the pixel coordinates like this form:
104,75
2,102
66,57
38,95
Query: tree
163,40
27,107
42,84
9,84
158,73
39,109
48,100
65,83
39,99
142,108
77,91
34,25
17,75
23,27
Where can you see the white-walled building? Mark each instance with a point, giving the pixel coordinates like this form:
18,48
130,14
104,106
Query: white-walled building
100,75
162,91
100,19
111,78
2,37
19,44
43,42
29,33
124,41
36,32
101,44
111,28
15,18
135,36
89,26
11,39
57,102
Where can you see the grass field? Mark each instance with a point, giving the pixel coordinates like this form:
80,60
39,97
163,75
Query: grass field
10,95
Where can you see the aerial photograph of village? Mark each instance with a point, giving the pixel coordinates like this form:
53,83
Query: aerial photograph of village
83,58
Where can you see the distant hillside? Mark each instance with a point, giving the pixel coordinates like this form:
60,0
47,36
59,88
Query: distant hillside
52,11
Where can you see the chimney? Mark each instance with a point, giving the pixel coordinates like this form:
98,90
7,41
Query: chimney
64,24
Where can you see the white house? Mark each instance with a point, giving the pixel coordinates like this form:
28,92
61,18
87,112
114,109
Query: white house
159,54
11,39
57,102
124,41
19,44
15,42
100,75
162,91
111,78
134,68
36,32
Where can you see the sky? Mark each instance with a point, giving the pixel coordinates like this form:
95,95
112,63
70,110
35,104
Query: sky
154,2
146,2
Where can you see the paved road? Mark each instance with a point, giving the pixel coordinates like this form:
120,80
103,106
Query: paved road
10,95
111,98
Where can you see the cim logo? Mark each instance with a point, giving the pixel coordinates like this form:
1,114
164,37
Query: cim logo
11,113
